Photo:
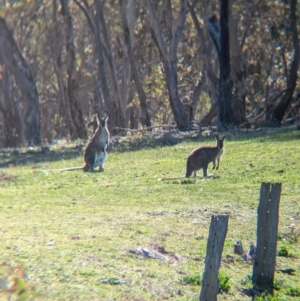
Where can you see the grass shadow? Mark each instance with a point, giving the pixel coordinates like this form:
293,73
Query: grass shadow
136,142
10,157
278,134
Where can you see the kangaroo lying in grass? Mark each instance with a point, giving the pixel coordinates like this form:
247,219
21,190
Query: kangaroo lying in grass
96,149
200,158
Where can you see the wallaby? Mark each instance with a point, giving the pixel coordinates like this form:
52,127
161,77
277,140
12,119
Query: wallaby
200,157
96,149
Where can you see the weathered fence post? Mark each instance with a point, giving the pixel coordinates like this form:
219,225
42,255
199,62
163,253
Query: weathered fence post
216,238
267,230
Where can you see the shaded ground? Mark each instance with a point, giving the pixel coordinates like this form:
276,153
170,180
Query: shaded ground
63,149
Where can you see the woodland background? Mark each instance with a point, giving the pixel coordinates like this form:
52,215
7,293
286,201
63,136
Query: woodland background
145,62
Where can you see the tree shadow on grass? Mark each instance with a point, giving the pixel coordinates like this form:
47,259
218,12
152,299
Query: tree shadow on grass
271,134
144,140
11,157
56,152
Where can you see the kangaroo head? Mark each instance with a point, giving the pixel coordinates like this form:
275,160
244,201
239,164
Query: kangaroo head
102,122
220,141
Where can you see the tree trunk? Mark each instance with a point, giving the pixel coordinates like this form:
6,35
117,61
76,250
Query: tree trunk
108,54
226,114
19,120
71,71
56,56
238,73
145,119
196,94
203,48
279,111
177,107
104,89
13,131
65,105
102,81
19,68
169,61
46,114
207,119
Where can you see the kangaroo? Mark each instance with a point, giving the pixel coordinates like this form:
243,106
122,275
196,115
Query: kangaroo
96,149
200,157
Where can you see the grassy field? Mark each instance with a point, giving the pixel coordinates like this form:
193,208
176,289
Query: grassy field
79,236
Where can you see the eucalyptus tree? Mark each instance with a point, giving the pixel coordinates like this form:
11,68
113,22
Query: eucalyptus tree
291,74
76,111
220,37
54,49
145,62
12,59
105,61
168,55
128,20
226,113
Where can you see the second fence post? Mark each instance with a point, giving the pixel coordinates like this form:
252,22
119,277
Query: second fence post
216,238
267,230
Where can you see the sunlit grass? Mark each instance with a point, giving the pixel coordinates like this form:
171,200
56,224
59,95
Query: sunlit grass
72,232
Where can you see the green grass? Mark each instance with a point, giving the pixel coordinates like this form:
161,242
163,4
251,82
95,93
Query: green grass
72,232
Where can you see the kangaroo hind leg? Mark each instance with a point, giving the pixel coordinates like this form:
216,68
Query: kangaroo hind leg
101,157
205,171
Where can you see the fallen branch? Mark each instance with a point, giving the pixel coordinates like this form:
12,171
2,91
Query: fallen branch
253,120
146,128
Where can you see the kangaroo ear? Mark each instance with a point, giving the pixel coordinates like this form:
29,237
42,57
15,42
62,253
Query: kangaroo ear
103,121
98,119
92,123
224,138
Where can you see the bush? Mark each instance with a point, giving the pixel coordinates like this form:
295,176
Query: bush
283,252
223,283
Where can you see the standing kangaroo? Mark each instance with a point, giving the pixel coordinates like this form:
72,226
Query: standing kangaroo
200,157
96,149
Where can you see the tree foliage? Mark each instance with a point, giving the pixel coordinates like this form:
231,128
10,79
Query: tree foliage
144,62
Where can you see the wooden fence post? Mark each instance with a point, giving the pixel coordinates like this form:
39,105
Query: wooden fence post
216,238
267,230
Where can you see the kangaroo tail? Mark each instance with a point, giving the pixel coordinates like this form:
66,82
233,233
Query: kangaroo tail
60,169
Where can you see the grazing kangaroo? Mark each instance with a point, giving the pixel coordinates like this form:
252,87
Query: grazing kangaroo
200,157
96,149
